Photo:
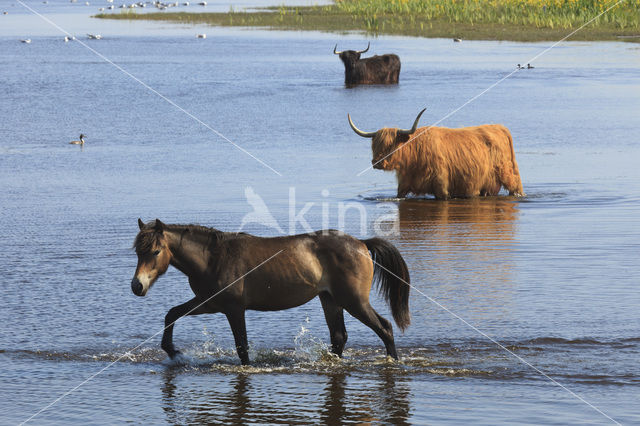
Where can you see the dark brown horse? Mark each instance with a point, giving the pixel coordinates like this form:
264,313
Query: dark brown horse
231,272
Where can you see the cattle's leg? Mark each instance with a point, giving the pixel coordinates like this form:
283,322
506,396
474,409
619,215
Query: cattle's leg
369,317
441,188
511,180
334,315
188,308
402,192
239,329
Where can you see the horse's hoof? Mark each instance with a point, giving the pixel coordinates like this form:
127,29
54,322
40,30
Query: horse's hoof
178,359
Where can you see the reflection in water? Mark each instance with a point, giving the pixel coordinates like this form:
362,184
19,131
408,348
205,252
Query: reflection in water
241,398
185,403
475,219
464,247
334,410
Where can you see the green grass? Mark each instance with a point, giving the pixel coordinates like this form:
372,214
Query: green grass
518,20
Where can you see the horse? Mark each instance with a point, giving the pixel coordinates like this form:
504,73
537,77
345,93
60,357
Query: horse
231,272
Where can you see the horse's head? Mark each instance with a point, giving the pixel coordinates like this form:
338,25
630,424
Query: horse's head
154,256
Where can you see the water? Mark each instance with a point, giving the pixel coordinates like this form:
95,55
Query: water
552,277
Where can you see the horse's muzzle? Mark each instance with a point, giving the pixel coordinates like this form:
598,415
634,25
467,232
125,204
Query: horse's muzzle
137,287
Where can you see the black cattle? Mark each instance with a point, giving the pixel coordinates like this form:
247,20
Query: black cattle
384,69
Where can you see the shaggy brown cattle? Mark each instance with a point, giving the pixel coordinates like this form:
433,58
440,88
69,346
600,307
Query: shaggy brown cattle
447,163
384,69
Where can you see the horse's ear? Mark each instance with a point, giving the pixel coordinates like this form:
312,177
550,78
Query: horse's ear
140,224
159,226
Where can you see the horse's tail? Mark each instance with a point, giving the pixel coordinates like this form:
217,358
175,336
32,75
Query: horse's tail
392,277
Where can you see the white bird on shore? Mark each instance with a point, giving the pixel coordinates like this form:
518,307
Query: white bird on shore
26,40
201,36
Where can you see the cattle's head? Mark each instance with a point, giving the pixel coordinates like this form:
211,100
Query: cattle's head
385,142
350,57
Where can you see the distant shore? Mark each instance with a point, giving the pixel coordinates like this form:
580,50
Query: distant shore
354,16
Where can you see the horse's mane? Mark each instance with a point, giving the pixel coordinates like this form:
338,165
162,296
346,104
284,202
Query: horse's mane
146,237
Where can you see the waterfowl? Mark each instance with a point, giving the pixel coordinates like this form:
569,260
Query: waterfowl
457,40
529,66
520,67
27,40
94,36
66,38
80,142
201,36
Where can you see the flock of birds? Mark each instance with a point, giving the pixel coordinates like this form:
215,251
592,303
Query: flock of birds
92,37
156,3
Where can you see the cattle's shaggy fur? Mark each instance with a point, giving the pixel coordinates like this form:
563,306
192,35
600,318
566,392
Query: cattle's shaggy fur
384,69
447,163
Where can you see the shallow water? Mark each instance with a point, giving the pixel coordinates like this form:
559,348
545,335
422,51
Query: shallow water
512,298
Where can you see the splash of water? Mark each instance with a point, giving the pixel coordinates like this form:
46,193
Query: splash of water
308,347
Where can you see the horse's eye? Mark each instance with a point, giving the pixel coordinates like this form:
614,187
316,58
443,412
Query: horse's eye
156,252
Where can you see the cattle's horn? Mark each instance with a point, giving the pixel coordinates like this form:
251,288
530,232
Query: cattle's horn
415,125
363,51
358,131
336,52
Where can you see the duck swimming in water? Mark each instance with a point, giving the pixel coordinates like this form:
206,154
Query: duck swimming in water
80,142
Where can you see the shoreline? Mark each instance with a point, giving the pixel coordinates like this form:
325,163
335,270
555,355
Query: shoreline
332,20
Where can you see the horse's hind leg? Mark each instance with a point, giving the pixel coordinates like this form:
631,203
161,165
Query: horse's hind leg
334,315
369,317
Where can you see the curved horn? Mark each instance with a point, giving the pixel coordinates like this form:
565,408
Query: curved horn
363,51
360,132
336,52
415,126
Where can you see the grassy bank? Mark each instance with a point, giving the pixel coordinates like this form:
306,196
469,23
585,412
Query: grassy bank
518,20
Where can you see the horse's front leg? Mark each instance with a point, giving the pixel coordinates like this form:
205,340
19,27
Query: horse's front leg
239,329
188,308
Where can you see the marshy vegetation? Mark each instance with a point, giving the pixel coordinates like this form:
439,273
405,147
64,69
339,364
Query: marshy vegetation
520,20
